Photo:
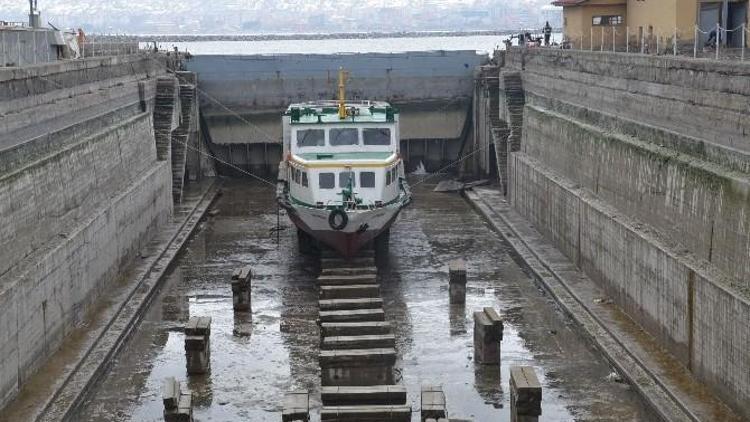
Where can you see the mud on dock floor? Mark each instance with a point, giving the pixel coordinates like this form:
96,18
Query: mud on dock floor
255,360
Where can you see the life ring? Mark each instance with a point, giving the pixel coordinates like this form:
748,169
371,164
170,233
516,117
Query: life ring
338,219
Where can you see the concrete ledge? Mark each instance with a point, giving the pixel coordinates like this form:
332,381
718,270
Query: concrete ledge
360,342
638,358
70,389
376,394
371,413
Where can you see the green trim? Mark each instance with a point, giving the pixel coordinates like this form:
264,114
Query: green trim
337,156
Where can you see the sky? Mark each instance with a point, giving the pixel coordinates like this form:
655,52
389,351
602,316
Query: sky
262,16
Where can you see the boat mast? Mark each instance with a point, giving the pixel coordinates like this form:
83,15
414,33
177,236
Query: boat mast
342,93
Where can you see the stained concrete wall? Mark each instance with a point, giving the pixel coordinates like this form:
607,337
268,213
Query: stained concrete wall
23,47
81,193
273,82
636,168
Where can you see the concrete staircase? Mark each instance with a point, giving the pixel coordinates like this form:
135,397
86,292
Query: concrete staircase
181,139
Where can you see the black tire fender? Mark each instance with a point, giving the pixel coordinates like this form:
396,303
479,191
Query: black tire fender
343,220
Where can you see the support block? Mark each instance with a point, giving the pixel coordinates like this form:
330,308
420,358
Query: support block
357,367
525,394
433,403
354,291
357,395
488,333
380,413
198,345
350,304
346,280
178,402
377,341
241,289
457,281
355,315
335,329
296,407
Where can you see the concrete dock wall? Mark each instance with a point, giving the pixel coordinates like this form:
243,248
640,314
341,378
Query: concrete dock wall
687,308
702,206
81,193
26,46
273,82
637,169
242,99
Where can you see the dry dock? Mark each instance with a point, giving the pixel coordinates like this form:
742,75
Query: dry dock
255,360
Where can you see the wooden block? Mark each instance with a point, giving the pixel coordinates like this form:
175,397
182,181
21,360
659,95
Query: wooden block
372,271
352,315
526,391
381,413
343,280
334,329
457,271
198,326
296,406
376,394
433,402
349,292
350,304
357,357
170,393
378,341
195,343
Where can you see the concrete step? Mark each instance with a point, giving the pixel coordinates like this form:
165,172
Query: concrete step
333,329
368,413
352,396
377,341
349,271
357,357
349,304
354,291
342,280
354,315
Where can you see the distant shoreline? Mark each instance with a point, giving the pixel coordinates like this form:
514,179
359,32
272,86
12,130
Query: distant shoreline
307,36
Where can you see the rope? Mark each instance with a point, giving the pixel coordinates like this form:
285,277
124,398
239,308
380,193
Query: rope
218,159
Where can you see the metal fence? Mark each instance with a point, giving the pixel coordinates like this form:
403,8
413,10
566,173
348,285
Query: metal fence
673,42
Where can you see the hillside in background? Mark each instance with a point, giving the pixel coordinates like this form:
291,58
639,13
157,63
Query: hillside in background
244,16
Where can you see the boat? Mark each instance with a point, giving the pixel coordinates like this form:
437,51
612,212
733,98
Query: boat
341,179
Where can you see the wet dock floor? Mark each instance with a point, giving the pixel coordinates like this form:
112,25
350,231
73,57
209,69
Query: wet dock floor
254,360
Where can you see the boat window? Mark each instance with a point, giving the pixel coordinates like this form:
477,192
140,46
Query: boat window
311,138
344,178
304,179
388,177
346,136
367,179
327,180
376,136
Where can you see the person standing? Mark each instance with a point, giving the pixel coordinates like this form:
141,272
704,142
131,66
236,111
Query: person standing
547,33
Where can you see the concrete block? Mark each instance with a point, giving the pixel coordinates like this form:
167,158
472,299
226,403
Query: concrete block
357,367
433,403
177,400
296,406
198,345
376,341
488,333
346,279
355,315
354,291
525,394
350,304
334,329
381,413
371,271
241,289
457,281
357,395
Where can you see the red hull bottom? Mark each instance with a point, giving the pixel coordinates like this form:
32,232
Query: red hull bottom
346,244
